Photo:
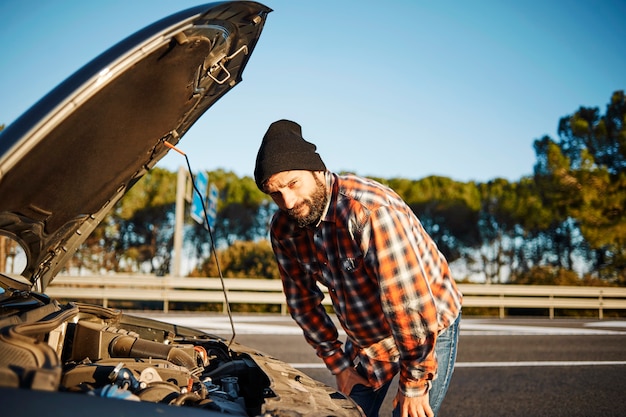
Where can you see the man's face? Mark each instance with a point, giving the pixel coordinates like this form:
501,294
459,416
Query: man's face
301,194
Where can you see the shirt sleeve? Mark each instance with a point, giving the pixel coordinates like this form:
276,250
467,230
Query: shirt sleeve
407,260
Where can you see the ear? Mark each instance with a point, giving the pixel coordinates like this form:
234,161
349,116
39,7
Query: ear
319,174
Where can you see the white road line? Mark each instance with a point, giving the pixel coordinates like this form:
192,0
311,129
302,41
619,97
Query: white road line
273,325
478,329
497,364
610,323
243,328
536,363
279,325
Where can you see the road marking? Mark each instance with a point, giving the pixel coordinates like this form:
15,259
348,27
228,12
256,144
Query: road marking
281,325
610,323
484,329
497,364
210,325
536,363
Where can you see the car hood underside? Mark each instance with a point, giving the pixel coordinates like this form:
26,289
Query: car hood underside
73,155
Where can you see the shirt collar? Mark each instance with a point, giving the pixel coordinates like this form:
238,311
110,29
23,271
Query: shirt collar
328,214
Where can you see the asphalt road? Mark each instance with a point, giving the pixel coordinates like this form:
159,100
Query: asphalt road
510,367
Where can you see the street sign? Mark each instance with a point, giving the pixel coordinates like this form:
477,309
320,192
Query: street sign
196,210
212,206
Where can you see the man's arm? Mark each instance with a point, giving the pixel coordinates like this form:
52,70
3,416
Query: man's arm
406,258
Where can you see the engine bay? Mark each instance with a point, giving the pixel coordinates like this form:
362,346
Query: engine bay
97,351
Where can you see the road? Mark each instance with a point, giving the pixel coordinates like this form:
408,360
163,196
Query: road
510,367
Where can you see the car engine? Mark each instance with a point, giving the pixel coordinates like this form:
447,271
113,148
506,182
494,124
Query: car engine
97,351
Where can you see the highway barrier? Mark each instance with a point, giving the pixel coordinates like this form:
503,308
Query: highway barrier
269,291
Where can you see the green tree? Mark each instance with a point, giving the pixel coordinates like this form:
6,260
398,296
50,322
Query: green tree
138,235
572,209
602,137
146,214
582,178
532,219
242,260
448,210
243,213
496,226
242,207
546,275
560,192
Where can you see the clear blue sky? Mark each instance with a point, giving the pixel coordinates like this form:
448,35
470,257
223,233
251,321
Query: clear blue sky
389,89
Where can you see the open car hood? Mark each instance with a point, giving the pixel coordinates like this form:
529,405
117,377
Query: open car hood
67,160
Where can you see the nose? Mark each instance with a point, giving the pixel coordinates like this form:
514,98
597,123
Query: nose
289,199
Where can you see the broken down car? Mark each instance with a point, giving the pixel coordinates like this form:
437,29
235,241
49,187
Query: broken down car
59,179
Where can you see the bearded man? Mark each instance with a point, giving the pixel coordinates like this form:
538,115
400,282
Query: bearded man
390,286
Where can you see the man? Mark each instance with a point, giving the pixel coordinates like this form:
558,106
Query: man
390,286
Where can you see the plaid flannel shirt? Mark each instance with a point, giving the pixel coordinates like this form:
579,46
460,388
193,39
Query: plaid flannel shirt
390,286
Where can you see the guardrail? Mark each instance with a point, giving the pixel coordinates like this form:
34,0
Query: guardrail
269,291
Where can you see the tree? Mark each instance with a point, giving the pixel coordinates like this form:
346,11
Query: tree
496,226
583,180
572,209
147,226
532,219
546,275
241,208
138,235
243,214
242,260
447,209
560,192
603,138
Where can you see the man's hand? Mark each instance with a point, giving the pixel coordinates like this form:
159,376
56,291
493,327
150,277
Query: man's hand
348,378
413,406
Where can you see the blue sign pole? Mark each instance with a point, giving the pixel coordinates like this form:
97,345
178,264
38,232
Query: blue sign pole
212,206
197,212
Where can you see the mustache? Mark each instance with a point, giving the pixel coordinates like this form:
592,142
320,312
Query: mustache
295,209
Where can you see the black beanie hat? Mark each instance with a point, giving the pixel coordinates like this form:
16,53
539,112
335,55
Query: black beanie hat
284,149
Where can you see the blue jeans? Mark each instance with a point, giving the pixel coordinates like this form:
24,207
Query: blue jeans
446,346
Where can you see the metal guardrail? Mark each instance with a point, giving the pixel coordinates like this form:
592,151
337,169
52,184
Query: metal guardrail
269,291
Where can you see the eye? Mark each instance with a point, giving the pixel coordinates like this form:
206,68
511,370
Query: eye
293,184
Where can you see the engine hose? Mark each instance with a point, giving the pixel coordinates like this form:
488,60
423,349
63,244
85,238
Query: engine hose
181,358
132,347
184,398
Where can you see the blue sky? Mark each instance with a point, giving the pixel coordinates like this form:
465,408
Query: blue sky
387,89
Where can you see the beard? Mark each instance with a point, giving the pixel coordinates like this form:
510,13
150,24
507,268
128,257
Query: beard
316,204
